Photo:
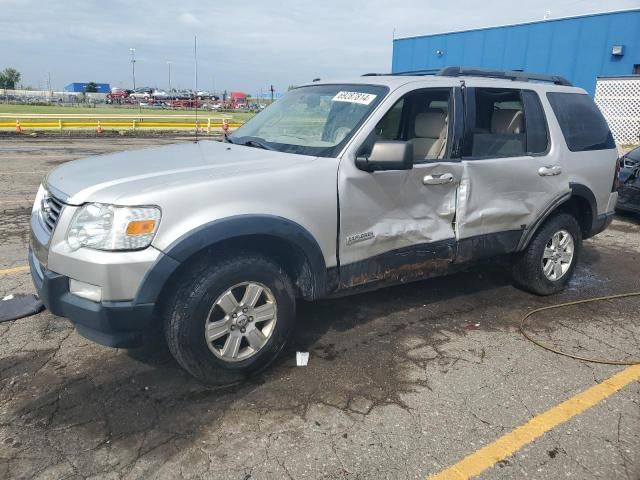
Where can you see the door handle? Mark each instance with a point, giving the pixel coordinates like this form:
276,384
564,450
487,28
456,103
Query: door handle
438,179
550,170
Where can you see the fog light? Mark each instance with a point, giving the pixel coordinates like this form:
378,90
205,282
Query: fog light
85,290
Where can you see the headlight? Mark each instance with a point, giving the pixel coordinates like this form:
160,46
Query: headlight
109,227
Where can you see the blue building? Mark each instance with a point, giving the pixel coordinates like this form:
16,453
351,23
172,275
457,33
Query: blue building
81,87
577,48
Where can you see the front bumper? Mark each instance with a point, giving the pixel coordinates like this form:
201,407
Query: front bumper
118,324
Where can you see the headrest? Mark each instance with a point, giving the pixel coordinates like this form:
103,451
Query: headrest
507,121
430,124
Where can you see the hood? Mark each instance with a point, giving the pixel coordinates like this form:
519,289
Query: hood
107,177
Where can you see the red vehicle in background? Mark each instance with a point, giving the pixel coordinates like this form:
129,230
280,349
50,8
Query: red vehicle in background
237,100
184,103
118,95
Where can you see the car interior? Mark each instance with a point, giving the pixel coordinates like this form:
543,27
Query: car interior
421,118
499,127
495,124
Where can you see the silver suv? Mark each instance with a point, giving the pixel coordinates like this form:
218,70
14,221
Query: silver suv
339,186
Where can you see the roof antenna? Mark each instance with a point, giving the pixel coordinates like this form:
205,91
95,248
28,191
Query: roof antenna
195,93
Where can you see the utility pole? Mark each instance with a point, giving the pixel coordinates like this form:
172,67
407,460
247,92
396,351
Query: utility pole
169,63
133,66
272,90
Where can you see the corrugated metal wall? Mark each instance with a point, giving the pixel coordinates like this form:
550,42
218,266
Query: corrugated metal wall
81,86
577,48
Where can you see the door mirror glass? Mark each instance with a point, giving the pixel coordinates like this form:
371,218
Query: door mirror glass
387,155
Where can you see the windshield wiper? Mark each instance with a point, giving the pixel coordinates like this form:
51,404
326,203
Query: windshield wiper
257,144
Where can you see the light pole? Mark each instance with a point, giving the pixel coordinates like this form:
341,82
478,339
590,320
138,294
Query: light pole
169,63
133,66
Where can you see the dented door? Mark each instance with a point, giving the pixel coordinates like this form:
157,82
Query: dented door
512,171
396,225
399,225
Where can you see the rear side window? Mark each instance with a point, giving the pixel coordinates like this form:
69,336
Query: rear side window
503,123
582,124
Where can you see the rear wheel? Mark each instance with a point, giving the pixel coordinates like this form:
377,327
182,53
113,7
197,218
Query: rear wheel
229,319
547,265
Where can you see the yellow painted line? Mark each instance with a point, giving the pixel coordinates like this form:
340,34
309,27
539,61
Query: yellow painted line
8,271
507,445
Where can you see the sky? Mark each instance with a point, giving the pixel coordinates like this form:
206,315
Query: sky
247,45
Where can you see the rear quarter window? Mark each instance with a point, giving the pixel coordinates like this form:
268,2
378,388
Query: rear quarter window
582,124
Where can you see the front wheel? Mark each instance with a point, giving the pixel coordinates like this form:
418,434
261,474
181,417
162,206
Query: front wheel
547,264
230,318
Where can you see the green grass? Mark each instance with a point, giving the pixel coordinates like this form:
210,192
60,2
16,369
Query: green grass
109,110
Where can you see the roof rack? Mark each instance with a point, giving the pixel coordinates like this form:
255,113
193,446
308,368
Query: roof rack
483,72
430,71
508,74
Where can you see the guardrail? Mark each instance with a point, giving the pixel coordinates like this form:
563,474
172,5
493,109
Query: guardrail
40,121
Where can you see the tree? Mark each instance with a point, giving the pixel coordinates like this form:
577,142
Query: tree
92,87
9,77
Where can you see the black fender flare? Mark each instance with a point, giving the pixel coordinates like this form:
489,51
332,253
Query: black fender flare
577,190
211,233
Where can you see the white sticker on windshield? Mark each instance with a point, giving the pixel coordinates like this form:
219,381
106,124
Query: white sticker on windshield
354,97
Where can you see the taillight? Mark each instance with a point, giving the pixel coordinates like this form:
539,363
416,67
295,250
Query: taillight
616,176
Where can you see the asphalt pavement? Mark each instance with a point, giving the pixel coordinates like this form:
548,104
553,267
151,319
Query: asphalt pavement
401,383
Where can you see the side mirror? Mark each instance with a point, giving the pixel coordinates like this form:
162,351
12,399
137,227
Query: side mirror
387,155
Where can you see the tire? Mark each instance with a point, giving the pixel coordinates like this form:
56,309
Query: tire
195,304
529,269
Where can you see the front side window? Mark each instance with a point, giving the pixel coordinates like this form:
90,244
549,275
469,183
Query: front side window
582,124
316,120
503,123
421,118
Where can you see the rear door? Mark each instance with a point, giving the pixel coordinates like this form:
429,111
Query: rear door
512,171
398,225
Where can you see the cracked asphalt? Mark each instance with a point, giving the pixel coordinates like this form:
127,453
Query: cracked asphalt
401,383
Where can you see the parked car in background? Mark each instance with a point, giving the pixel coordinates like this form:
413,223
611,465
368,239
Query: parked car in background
142,93
159,94
629,182
117,95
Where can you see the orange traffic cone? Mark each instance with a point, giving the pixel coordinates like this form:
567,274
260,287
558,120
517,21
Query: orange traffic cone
99,128
18,127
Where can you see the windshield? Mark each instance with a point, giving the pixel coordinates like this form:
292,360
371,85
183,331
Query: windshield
317,120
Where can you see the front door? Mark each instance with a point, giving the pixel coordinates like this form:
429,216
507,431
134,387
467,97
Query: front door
399,225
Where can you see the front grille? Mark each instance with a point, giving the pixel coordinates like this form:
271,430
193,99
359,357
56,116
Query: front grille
50,209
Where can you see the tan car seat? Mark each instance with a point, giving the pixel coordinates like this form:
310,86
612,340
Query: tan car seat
507,121
431,135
